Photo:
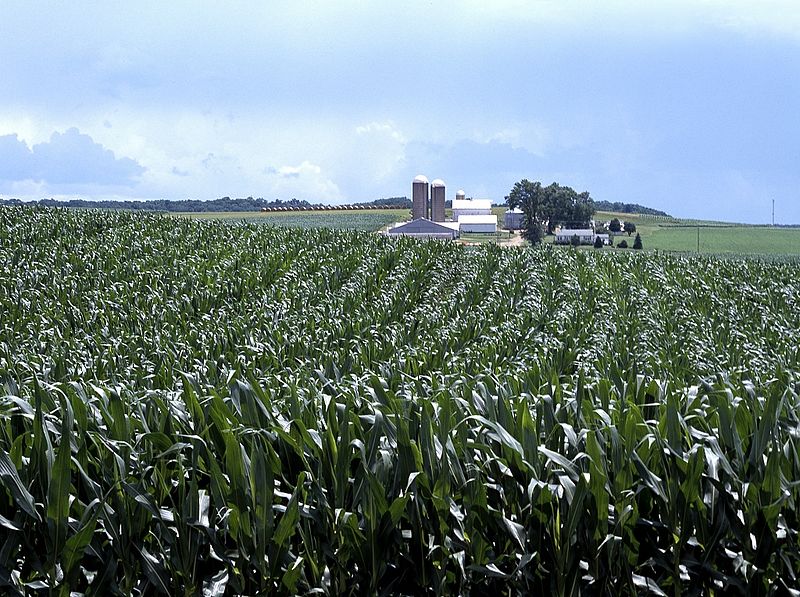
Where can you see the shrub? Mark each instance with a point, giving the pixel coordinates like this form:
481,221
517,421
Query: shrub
623,244
637,242
598,242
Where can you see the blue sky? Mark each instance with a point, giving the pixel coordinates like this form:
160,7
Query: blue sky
690,106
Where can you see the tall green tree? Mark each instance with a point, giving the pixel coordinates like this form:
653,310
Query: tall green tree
530,198
545,208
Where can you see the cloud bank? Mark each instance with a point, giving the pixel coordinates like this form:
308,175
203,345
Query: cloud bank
68,158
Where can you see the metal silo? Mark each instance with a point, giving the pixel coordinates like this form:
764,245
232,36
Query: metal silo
437,200
419,197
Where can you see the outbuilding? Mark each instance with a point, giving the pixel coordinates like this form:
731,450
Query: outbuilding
513,219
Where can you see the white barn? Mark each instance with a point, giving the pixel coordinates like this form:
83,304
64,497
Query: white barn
478,223
471,207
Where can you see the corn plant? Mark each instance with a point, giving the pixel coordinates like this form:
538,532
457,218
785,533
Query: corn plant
192,407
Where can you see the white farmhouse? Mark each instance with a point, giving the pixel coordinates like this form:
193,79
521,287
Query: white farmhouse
585,235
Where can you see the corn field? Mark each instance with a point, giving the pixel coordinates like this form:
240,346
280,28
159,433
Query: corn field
192,407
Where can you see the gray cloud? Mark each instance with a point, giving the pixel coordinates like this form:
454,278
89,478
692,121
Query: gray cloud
68,158
16,159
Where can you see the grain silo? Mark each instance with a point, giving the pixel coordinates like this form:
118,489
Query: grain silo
437,200
419,205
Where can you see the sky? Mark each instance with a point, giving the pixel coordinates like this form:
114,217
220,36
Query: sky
688,106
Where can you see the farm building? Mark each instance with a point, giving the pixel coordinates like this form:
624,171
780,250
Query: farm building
428,213
477,223
585,235
513,219
471,207
424,228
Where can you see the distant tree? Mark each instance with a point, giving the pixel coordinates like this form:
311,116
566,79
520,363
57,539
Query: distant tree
598,242
615,225
575,241
630,228
623,244
529,197
629,208
637,242
393,202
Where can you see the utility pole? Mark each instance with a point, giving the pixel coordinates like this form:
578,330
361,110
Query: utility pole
698,238
773,213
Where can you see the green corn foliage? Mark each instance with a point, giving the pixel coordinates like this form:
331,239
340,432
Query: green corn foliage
194,407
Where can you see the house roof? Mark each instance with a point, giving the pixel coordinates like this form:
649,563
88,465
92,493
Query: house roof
575,232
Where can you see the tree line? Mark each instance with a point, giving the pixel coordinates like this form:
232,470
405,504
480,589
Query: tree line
629,208
195,205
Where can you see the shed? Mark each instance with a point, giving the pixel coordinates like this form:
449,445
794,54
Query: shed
513,219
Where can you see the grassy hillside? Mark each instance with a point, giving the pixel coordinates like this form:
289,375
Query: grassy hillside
715,237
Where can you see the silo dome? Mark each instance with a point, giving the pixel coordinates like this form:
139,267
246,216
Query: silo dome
460,193
420,178
437,183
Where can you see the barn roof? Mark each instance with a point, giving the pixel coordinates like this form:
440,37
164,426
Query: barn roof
472,204
575,232
421,226
477,219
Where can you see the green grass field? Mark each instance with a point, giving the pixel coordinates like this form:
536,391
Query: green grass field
366,220
715,237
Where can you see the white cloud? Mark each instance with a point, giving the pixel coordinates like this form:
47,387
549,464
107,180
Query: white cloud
380,150
303,181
